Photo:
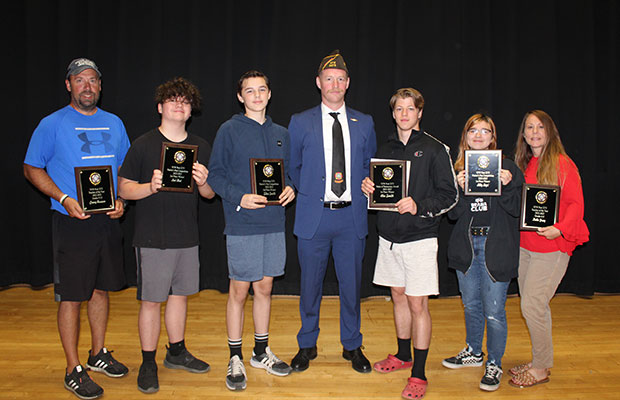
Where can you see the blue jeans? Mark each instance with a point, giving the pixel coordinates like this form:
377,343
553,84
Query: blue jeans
484,301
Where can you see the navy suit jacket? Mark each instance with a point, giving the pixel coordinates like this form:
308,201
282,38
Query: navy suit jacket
307,167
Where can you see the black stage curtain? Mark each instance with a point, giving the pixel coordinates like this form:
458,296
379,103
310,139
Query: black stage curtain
503,58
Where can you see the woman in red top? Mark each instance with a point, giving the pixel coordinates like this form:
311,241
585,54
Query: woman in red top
545,253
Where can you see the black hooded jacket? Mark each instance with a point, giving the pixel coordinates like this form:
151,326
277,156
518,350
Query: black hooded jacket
502,245
432,185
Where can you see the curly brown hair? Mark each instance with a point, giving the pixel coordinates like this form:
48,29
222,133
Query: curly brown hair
179,87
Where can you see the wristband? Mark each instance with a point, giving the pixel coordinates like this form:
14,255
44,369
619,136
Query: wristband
63,198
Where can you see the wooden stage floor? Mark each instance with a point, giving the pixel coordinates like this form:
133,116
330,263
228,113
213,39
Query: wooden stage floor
586,337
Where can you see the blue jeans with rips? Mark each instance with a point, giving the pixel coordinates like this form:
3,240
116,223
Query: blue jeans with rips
484,301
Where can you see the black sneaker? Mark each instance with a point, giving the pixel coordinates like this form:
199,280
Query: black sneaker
104,362
235,377
464,359
492,377
185,361
81,385
147,378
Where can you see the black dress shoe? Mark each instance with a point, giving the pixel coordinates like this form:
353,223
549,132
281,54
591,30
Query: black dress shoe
301,361
359,362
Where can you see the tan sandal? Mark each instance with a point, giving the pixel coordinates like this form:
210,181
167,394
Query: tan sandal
516,370
526,379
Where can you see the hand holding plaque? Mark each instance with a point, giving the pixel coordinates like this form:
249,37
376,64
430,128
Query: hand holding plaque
391,178
482,172
267,178
95,189
176,164
540,205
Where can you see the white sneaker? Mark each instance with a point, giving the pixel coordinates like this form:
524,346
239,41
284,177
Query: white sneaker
271,363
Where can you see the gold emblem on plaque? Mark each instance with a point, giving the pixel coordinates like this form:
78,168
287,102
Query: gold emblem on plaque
541,197
268,170
483,161
180,157
387,173
95,178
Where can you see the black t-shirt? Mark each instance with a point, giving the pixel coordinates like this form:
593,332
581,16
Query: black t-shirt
165,219
479,206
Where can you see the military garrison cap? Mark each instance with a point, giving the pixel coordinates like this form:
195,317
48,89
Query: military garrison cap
333,60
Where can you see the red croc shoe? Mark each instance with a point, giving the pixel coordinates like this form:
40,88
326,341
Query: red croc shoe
391,363
415,389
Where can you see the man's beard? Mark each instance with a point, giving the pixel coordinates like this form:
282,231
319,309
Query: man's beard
85,104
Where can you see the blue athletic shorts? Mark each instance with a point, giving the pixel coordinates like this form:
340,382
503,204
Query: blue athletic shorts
252,257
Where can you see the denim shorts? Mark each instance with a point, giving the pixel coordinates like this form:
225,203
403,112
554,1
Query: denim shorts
252,257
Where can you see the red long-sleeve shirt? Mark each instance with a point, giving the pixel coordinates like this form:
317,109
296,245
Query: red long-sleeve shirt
570,218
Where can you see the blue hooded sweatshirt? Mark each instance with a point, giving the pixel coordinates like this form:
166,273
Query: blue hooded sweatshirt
237,141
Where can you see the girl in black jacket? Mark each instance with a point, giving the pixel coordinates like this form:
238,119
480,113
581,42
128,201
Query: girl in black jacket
484,251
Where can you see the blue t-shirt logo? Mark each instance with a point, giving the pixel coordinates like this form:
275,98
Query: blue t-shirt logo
88,142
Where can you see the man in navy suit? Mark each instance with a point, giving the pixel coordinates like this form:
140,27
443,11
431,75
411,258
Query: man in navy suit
331,147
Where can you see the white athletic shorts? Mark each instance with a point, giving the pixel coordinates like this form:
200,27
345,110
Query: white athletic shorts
412,265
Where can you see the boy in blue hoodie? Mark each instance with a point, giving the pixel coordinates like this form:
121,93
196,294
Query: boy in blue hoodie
254,232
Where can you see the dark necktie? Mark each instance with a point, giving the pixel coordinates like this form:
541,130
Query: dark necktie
339,183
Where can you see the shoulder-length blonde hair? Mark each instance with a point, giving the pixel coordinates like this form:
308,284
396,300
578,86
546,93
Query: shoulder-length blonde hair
459,164
548,163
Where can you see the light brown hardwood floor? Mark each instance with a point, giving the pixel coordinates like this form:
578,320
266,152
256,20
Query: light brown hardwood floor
586,338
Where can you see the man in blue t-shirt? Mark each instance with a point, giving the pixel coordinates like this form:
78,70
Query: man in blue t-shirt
88,259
